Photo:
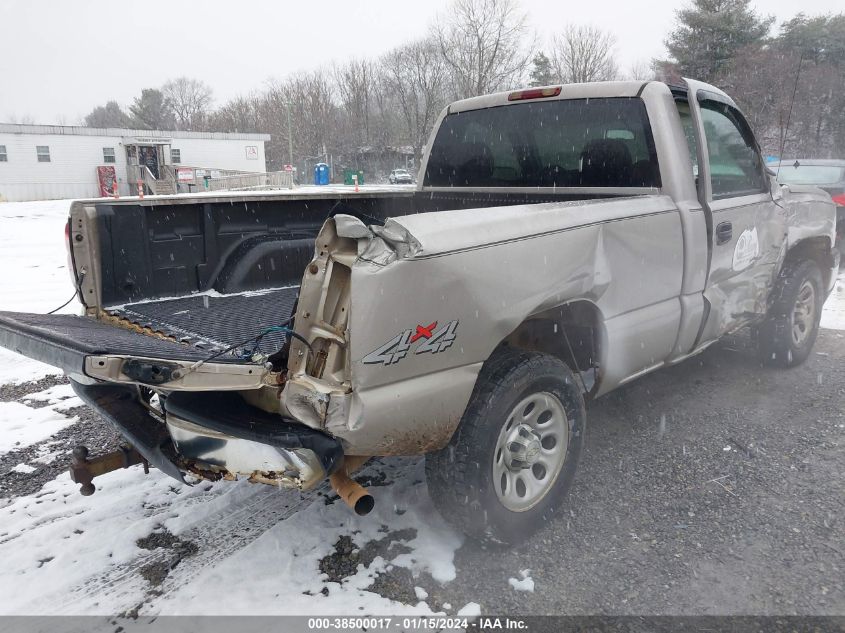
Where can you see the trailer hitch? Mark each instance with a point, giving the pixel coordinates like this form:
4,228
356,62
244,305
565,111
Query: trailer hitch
83,470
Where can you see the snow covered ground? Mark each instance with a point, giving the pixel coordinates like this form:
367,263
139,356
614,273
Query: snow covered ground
144,544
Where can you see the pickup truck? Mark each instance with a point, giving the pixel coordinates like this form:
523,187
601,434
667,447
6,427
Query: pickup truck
561,242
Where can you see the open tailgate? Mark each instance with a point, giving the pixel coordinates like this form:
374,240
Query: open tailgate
65,341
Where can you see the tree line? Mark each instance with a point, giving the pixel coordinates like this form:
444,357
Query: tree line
789,84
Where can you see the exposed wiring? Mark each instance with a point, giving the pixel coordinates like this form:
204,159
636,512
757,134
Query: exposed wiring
282,327
72,297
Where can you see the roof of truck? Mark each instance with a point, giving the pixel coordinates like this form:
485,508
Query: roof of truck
567,91
592,90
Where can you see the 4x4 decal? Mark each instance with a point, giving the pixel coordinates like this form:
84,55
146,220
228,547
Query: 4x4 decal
434,340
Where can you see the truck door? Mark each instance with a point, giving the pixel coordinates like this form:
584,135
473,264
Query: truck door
746,228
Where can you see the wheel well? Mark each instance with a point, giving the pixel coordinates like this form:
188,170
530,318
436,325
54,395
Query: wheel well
573,332
816,249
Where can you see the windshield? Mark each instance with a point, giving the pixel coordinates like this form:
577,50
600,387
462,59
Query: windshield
811,174
567,143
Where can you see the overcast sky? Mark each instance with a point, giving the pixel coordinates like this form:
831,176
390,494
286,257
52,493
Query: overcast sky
60,58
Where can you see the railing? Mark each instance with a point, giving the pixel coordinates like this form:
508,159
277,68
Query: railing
164,184
246,182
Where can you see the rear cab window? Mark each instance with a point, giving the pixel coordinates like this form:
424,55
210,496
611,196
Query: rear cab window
603,142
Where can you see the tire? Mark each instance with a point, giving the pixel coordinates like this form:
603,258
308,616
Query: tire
786,337
474,480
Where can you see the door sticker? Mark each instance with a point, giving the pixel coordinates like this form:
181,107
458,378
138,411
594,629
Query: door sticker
747,249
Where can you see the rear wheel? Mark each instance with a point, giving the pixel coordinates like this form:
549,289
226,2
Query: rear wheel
513,458
786,337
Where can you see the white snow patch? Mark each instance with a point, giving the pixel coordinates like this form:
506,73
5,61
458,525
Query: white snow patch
470,610
35,276
15,369
421,593
59,397
833,314
22,426
24,469
46,454
524,583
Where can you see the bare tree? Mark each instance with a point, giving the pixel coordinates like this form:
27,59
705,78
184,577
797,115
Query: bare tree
238,115
486,45
25,119
354,81
641,70
583,53
314,117
415,75
190,100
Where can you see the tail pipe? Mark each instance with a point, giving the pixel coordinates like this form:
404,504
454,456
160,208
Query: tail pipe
352,493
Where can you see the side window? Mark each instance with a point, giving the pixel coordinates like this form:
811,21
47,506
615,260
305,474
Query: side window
4,157
108,155
735,166
689,134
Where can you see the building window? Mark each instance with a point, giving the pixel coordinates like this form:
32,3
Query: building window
175,156
43,152
3,156
108,155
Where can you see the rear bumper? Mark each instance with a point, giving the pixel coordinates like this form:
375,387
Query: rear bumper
216,432
219,431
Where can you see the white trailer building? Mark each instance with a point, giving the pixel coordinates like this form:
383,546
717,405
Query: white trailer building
43,162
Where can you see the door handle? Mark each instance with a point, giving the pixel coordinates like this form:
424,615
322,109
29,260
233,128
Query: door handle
724,232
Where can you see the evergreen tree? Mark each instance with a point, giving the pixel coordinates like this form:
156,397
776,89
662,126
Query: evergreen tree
151,111
541,71
109,115
819,38
711,32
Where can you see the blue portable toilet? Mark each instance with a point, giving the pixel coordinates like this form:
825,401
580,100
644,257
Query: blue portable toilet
321,174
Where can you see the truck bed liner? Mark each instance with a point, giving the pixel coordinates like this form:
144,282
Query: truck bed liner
214,322
203,324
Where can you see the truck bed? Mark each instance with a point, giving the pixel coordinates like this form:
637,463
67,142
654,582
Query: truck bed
195,327
180,278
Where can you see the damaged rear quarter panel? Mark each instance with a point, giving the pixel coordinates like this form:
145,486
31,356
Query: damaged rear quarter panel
488,270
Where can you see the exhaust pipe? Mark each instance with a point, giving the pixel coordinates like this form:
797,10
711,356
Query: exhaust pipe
352,493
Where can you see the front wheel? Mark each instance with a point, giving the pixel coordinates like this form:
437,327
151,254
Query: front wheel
786,337
512,460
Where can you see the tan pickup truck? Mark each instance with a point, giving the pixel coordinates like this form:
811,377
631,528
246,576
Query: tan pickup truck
562,241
